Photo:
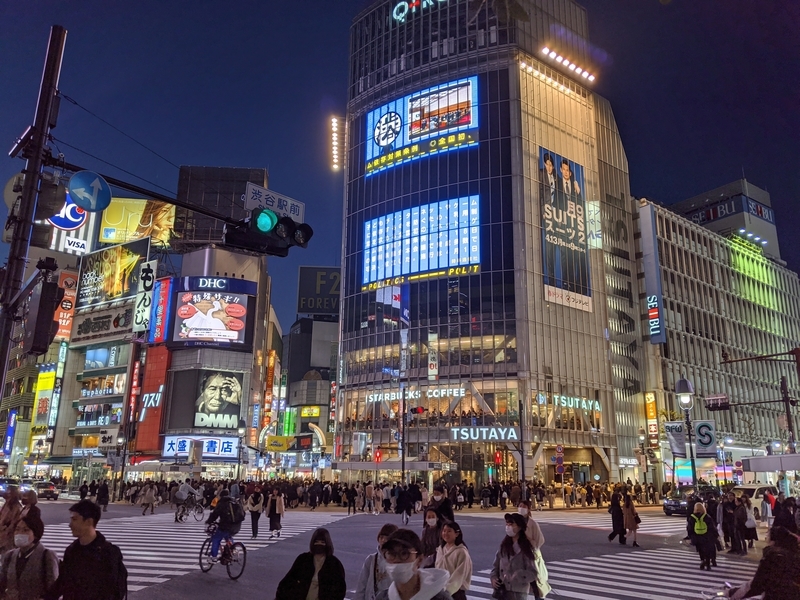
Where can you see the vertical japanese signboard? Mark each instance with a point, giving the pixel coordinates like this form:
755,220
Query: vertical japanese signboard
162,294
144,296
433,356
68,281
652,418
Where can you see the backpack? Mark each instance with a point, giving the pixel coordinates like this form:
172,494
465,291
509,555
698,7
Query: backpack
236,512
700,526
112,558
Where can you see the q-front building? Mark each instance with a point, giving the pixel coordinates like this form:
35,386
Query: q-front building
490,304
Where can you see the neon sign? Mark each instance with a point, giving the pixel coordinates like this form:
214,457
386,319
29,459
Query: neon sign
401,9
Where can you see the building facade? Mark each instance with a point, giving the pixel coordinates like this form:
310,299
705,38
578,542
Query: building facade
489,268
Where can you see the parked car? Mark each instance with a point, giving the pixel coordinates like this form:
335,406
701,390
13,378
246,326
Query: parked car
26,484
46,490
754,490
677,502
7,481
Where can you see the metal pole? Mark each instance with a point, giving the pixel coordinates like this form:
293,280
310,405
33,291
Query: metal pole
403,423
34,152
522,448
691,448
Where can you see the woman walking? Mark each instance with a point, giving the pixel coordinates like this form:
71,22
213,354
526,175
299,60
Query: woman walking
275,510
373,578
30,569
617,519
631,518
316,574
703,532
255,504
452,556
514,570
148,498
750,524
431,537
534,533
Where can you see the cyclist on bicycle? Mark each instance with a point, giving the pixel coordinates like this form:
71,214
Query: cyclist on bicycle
228,526
186,496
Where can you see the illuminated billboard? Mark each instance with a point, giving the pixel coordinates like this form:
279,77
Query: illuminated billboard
111,273
441,238
206,398
436,119
129,219
565,243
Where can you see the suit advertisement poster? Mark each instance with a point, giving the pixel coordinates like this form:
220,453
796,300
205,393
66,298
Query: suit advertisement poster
565,255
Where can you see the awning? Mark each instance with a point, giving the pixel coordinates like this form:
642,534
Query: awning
765,464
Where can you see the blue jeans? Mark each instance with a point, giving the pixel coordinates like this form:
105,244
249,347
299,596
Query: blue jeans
216,540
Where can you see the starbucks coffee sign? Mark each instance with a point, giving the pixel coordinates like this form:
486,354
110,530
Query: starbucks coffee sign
484,434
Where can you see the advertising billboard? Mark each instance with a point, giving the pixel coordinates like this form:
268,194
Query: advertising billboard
162,305
437,119
213,447
44,393
130,219
11,429
214,311
68,281
318,290
654,300
111,273
144,297
432,240
565,249
209,399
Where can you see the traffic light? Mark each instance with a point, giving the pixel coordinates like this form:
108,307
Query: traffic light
267,233
498,457
378,455
417,410
40,327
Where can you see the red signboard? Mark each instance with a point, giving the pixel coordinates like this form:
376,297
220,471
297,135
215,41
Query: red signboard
68,281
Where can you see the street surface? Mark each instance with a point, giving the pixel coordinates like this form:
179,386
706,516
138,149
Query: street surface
162,556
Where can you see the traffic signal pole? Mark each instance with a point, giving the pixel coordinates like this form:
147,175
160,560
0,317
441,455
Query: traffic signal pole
33,145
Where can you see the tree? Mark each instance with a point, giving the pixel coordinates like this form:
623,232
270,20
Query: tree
746,430
663,416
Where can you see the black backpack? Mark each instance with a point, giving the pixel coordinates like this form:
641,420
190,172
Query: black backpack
112,557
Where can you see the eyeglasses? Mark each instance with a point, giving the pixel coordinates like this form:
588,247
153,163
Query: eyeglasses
399,556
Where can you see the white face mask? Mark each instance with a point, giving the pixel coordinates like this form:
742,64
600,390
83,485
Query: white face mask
437,497
523,511
21,540
509,531
400,573
431,522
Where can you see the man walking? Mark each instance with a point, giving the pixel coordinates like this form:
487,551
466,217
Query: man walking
92,568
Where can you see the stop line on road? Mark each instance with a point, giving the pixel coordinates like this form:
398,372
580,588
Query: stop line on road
155,548
663,574
652,524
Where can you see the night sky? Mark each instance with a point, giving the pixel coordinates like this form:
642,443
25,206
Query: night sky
700,90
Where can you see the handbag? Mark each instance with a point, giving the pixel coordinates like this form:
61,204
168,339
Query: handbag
637,518
499,593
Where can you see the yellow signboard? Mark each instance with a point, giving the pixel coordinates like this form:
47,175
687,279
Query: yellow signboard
650,405
129,219
309,411
278,443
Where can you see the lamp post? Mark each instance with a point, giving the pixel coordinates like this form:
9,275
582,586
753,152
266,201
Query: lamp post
39,444
642,438
685,390
241,432
120,445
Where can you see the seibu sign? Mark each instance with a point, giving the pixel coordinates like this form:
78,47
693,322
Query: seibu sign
473,434
434,392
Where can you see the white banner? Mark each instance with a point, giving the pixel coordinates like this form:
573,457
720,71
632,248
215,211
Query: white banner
108,437
705,436
433,356
144,296
676,435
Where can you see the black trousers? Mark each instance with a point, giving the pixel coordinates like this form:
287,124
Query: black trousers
255,515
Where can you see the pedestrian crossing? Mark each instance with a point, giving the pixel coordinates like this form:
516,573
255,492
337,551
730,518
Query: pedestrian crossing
652,523
155,548
661,574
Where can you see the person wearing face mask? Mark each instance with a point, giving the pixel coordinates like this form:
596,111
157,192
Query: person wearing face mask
316,574
514,570
534,534
431,536
441,504
403,555
9,515
255,504
29,500
373,578
30,569
453,556
275,509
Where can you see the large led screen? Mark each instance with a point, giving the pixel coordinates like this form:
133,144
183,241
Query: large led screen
565,245
111,273
442,238
128,219
206,398
436,119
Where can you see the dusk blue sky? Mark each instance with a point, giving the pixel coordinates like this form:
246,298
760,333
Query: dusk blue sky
701,91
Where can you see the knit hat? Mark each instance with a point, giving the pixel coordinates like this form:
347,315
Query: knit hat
35,524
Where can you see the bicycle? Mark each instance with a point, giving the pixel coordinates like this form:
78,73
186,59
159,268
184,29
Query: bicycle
190,505
231,554
723,592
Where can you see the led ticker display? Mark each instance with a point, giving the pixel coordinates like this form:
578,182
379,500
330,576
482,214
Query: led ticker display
436,119
442,238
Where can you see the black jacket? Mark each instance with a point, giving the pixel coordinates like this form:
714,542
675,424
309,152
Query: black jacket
223,512
294,586
91,572
778,575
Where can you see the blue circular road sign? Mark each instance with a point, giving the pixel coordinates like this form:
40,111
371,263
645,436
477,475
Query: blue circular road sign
89,191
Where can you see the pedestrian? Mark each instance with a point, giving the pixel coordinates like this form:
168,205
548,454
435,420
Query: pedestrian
514,568
404,505
102,495
453,556
83,491
30,569
316,574
92,490
255,504
149,498
739,527
702,531
726,512
403,554
377,499
750,532
441,503
617,519
431,536
597,494
29,501
778,574
275,510
631,517
92,567
351,493
534,534
369,496
9,516
373,578
470,495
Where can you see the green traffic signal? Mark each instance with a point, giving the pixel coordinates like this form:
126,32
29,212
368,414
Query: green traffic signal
263,220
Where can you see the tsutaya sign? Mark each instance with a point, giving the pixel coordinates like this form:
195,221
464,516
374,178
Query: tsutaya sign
430,392
570,402
402,9
467,434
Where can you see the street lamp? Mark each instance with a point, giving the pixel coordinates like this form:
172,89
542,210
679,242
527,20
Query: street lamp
642,438
685,390
39,444
728,440
120,445
241,432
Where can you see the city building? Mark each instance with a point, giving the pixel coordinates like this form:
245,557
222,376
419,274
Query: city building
489,260
714,292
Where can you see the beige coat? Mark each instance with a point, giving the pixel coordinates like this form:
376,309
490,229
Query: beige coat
534,534
457,562
279,507
629,515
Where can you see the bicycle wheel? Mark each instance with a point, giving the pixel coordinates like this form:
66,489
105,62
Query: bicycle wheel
205,556
237,560
198,512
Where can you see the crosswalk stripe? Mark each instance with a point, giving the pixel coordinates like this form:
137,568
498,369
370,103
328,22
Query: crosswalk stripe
155,548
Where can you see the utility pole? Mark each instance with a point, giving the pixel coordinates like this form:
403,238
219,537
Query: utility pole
33,145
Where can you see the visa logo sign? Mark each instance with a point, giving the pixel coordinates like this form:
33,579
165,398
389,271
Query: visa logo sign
75,244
